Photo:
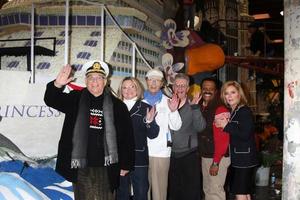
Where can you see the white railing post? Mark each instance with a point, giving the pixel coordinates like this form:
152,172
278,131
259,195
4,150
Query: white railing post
133,59
102,33
32,79
105,10
66,60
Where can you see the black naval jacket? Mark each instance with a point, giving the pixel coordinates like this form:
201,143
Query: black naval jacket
242,139
69,104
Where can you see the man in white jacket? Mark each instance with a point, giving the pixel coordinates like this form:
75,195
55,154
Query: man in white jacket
160,147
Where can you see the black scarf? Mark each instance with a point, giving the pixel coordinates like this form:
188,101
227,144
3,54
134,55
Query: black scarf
80,134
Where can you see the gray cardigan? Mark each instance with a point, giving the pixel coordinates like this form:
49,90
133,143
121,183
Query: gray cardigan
185,140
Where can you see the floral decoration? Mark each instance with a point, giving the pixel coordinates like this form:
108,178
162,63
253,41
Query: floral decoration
171,38
169,69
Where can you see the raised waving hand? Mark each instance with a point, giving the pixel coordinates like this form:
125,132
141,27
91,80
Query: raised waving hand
64,76
196,98
151,113
173,103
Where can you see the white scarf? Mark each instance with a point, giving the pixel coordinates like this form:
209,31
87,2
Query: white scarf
130,102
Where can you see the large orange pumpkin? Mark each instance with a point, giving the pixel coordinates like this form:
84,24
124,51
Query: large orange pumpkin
207,57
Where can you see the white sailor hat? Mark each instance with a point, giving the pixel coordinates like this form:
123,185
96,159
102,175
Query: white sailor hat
96,66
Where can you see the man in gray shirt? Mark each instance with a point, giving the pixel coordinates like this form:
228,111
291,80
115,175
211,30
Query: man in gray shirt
184,173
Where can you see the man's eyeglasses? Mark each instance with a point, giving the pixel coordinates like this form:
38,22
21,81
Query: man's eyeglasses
180,86
154,80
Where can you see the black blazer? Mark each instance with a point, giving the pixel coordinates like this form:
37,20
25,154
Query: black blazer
141,131
69,104
242,139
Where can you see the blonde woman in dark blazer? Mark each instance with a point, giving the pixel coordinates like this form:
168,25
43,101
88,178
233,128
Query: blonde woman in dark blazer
144,126
240,126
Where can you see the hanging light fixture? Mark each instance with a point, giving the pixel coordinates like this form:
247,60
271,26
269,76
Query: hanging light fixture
262,16
281,13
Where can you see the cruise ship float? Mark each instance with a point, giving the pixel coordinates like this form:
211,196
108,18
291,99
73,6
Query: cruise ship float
30,128
138,21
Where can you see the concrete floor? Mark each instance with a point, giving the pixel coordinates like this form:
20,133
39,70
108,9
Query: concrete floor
263,193
266,193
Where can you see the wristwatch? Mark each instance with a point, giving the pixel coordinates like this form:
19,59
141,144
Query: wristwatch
215,164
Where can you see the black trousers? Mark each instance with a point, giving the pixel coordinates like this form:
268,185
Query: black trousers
184,177
92,184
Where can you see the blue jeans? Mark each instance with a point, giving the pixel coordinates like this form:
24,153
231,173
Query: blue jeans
139,180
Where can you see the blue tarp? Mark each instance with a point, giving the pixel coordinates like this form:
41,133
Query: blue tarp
44,179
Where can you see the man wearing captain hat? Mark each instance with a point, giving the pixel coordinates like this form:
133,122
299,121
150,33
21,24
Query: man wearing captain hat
96,144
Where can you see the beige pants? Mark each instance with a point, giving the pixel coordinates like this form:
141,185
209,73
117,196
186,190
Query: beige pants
158,178
213,186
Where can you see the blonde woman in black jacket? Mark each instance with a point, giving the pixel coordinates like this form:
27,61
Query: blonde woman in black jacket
144,126
240,126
